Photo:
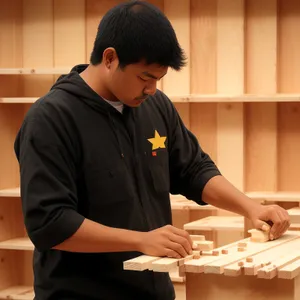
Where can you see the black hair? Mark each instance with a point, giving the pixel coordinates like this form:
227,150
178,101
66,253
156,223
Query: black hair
138,30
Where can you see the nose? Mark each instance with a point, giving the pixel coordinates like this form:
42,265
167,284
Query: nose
150,88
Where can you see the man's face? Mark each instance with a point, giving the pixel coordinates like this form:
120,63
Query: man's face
135,82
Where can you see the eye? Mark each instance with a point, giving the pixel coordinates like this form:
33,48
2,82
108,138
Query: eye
142,78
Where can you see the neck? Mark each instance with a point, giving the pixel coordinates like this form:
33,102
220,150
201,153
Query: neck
94,77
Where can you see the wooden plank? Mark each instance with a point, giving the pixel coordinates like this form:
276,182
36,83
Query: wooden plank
17,244
69,32
18,100
232,223
34,71
37,30
217,264
290,271
294,214
217,267
95,10
178,13
140,263
205,113
17,293
203,117
275,196
261,78
10,192
230,79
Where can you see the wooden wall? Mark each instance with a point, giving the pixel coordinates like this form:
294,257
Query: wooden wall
239,94
234,47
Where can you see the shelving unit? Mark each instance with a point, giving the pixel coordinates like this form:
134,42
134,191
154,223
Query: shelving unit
239,94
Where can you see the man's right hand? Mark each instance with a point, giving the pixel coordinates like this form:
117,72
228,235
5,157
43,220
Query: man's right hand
166,241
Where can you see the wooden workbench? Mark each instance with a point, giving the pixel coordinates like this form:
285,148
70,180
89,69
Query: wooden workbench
242,270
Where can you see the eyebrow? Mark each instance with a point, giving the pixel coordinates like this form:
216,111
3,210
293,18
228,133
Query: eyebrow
152,76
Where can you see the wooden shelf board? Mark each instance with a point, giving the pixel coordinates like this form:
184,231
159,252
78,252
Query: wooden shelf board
22,243
34,71
17,293
14,192
179,202
275,196
210,98
232,223
18,100
236,98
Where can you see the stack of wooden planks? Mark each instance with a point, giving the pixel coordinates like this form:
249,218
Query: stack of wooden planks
251,256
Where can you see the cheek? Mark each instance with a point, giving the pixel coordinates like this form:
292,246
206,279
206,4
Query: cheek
130,88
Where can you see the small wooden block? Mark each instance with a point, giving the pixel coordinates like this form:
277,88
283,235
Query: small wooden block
197,238
215,253
203,245
240,263
249,259
224,251
241,249
259,236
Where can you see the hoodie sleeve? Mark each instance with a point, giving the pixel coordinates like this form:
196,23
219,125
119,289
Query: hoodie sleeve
190,166
47,181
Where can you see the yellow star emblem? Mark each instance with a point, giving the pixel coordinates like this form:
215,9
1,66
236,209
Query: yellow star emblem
158,141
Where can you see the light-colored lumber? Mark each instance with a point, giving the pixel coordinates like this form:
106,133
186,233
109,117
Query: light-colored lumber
34,71
17,244
294,214
17,293
10,192
140,263
259,235
290,271
217,267
234,223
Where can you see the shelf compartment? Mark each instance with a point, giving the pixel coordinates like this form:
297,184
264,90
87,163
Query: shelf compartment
17,293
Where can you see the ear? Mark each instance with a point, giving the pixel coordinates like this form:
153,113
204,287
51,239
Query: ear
110,58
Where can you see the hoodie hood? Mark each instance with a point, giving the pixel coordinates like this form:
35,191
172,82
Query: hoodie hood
74,85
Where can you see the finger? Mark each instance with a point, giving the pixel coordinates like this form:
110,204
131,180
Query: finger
177,247
172,254
184,234
182,241
285,221
277,222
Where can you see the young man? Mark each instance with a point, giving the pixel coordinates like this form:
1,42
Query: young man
99,155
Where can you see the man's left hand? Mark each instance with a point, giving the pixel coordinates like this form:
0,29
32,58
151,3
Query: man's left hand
274,216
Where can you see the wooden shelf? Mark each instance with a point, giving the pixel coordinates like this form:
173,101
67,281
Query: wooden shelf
210,98
22,243
17,293
179,202
14,192
217,223
276,197
18,100
34,71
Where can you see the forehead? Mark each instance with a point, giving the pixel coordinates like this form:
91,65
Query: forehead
152,69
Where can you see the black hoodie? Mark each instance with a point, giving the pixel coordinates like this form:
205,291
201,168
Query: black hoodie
81,158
